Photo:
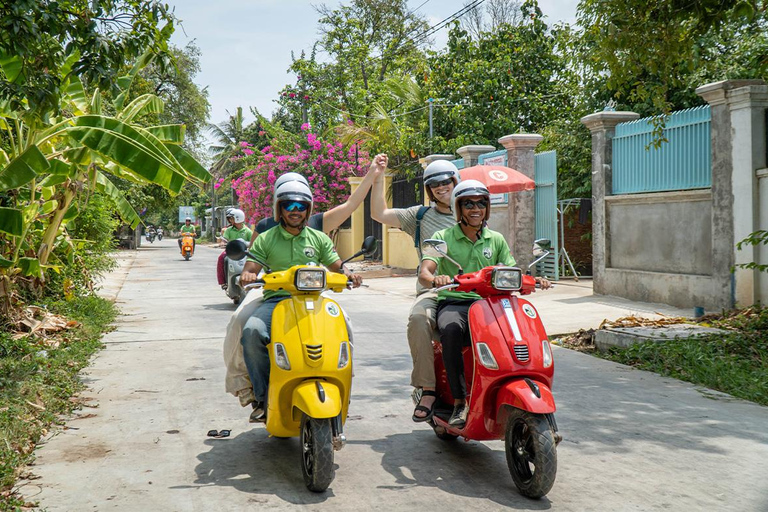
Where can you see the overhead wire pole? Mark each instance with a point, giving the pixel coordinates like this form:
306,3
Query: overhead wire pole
431,109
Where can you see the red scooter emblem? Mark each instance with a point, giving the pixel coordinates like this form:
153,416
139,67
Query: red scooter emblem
509,370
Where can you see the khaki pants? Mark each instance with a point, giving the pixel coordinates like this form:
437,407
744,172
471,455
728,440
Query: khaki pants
422,329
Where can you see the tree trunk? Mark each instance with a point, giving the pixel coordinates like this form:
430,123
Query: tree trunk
46,246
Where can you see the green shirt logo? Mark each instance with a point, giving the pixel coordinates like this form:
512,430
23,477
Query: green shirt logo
309,252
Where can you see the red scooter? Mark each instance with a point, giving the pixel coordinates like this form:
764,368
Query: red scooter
508,369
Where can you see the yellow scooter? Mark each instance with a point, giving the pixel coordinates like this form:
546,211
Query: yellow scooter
310,375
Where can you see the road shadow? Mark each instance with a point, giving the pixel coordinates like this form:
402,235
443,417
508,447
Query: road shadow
467,469
223,306
254,463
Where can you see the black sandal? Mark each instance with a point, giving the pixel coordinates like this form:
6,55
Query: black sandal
430,411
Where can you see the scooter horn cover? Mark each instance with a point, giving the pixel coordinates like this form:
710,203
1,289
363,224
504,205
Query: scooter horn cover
236,249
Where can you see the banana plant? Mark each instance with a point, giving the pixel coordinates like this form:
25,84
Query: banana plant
52,159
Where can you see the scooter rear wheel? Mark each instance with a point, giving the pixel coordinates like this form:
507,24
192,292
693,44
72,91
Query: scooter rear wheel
531,453
317,453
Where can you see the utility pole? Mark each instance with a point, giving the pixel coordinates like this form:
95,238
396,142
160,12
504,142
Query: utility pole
431,108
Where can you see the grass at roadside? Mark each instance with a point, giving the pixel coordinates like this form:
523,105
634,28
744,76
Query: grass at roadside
37,382
735,363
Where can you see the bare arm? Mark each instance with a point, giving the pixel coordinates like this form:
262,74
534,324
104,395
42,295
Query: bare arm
357,279
250,272
335,217
427,277
379,210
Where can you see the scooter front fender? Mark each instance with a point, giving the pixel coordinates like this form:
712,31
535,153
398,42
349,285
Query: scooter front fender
317,399
519,394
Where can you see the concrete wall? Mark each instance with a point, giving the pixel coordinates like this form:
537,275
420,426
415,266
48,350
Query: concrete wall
679,248
663,232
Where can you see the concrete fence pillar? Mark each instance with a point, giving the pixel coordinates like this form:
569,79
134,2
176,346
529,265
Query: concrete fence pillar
522,206
431,158
602,125
739,187
471,154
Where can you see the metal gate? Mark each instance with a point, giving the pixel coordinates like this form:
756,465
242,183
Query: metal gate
545,196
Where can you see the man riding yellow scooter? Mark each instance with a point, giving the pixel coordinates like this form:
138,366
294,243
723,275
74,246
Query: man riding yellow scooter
305,388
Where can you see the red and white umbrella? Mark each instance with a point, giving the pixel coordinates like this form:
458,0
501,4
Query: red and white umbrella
498,179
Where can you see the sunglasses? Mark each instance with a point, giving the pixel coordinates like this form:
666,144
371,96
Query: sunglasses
294,206
471,205
441,183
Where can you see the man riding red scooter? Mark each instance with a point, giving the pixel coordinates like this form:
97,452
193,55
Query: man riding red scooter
493,363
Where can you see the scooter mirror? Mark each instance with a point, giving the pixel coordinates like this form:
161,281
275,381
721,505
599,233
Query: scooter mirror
434,248
541,246
369,245
236,249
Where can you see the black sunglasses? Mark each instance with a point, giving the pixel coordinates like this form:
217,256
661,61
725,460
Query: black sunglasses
469,204
441,183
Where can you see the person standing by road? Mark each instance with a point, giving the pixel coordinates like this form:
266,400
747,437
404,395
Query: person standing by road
440,178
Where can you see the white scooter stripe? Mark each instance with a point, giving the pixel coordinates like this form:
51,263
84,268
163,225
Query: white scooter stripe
512,321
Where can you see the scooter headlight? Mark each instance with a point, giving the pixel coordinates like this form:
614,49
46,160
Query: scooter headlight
310,279
507,278
546,350
281,357
485,356
344,355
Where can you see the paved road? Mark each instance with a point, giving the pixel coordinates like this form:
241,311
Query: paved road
632,440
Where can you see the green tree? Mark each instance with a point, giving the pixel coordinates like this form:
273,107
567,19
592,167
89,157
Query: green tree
367,42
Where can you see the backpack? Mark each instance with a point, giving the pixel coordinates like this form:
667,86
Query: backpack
417,236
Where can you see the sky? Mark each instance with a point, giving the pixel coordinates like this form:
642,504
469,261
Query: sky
246,45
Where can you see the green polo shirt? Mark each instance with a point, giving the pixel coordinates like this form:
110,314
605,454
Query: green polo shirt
232,233
279,250
187,229
491,249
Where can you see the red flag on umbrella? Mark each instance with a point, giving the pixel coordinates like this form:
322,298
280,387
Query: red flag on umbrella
498,179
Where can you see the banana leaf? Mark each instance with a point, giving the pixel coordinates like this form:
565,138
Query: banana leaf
189,163
30,267
4,263
144,104
23,169
129,152
11,221
126,211
77,96
169,133
124,82
96,102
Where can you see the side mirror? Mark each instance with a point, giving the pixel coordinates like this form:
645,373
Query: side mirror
541,246
236,249
369,245
434,248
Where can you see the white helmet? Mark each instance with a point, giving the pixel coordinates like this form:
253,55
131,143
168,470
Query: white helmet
469,188
228,212
289,176
291,191
188,219
440,170
239,215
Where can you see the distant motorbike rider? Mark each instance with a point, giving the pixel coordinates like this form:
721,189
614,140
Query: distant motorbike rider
189,229
473,246
289,243
237,229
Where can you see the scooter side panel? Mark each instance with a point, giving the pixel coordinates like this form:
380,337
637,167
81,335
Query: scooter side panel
312,330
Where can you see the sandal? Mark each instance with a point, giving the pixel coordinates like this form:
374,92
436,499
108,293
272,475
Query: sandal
430,411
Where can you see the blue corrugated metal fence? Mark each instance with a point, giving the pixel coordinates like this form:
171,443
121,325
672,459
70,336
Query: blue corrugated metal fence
545,196
684,162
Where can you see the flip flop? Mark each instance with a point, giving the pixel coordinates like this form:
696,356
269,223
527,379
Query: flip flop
218,434
430,411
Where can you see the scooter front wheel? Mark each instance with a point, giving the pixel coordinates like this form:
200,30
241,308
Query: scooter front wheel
531,453
316,453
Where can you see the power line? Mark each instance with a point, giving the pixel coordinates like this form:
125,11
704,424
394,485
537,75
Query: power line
439,26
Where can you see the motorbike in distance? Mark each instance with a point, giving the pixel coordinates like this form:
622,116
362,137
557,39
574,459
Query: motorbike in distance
150,235
234,267
509,370
187,245
310,375
160,234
